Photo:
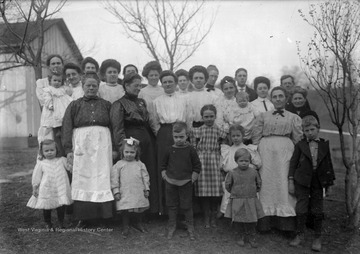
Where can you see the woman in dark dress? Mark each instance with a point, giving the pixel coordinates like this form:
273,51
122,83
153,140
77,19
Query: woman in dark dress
130,118
87,142
298,103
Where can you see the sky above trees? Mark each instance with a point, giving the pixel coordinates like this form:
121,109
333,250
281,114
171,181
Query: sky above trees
257,35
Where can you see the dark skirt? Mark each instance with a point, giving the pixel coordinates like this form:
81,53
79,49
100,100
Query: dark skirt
281,223
164,139
84,210
148,157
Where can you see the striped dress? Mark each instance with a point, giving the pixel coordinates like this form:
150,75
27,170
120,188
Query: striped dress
206,140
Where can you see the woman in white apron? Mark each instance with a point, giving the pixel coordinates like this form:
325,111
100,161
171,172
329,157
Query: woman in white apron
86,138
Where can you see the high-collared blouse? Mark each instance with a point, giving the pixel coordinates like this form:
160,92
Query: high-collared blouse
197,99
222,105
127,112
258,105
77,91
169,108
82,113
149,93
269,124
111,92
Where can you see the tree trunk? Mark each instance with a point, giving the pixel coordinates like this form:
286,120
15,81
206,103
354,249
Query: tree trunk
352,187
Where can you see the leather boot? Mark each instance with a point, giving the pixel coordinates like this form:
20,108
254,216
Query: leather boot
316,244
299,238
300,224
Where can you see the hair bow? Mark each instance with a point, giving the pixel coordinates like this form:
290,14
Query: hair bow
132,141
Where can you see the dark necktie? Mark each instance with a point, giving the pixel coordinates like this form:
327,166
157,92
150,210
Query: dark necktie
265,105
280,112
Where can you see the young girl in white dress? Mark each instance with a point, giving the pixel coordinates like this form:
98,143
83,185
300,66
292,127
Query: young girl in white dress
56,99
244,207
50,182
236,134
130,184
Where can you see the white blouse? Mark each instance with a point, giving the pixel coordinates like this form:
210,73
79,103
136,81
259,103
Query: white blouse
169,108
77,91
258,105
197,99
111,92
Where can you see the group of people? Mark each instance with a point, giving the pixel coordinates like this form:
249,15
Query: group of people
242,153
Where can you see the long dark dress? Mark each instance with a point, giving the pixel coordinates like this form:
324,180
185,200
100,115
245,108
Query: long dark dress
130,118
85,132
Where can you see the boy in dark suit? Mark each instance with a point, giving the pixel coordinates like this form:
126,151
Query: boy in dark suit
311,172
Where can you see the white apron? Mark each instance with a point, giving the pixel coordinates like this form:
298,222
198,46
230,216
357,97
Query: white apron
92,164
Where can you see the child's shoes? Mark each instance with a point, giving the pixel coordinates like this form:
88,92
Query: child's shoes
241,242
50,227
297,240
190,230
171,231
316,244
126,232
253,243
139,226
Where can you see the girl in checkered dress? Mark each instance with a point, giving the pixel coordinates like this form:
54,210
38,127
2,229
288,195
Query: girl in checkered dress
207,139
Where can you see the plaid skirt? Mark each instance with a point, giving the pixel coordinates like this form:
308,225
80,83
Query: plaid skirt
210,178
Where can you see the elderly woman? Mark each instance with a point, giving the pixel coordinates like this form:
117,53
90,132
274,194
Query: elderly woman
54,63
130,118
110,90
226,101
275,134
298,104
86,138
262,86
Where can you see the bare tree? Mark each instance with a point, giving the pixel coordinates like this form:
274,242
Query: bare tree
23,50
333,70
172,31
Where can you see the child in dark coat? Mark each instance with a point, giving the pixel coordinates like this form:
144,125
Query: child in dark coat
311,172
180,169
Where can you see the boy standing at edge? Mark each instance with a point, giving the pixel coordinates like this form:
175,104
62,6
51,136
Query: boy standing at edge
180,169
311,171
